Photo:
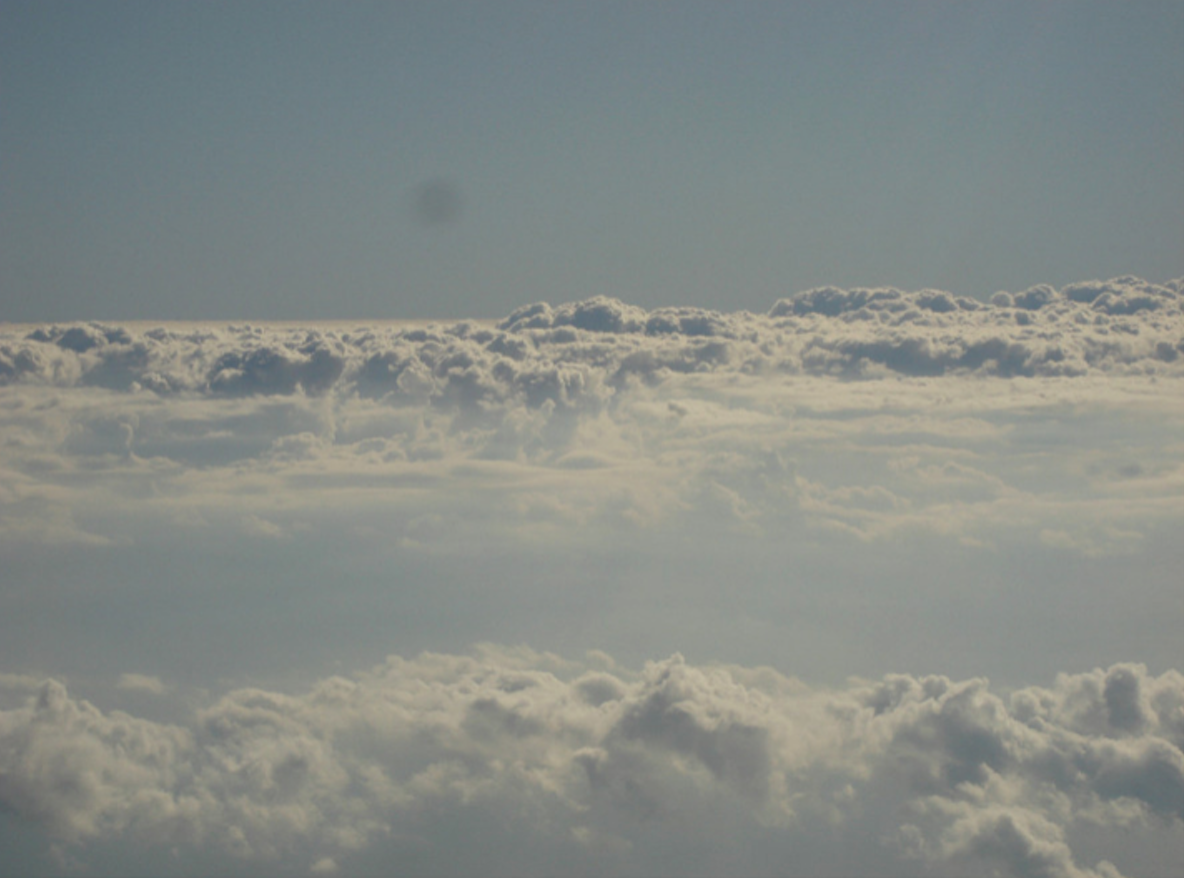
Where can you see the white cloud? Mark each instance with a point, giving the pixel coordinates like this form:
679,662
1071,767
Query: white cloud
569,752
578,354
857,480
600,411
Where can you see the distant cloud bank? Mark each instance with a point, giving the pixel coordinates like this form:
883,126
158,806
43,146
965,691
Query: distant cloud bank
598,411
598,761
583,351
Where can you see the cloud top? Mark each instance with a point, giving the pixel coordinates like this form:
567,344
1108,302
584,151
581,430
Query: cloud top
586,349
599,411
591,751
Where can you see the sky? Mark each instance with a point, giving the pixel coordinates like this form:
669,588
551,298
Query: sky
615,439
270,161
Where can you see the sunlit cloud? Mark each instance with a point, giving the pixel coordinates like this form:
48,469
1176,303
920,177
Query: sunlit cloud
854,480
605,759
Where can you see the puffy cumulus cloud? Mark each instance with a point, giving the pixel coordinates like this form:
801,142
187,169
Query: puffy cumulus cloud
602,767
869,413
577,353
83,773
1022,841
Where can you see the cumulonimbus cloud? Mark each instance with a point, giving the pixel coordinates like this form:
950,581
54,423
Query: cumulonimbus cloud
610,755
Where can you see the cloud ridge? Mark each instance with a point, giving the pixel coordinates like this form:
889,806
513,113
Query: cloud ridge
577,354
593,750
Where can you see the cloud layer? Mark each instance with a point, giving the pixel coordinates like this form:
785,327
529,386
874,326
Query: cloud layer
600,412
855,482
579,354
596,763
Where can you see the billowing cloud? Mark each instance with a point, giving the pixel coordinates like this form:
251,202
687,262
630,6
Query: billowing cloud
583,351
857,481
599,411
602,761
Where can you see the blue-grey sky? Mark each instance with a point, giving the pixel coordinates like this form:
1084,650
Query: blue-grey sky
292,160
826,522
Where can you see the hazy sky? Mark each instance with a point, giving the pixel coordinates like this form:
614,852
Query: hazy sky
616,439
225,160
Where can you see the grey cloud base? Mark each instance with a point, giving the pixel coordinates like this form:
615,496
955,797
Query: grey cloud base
601,763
